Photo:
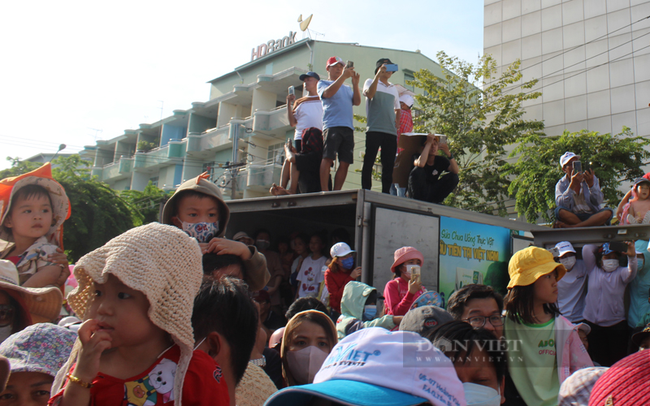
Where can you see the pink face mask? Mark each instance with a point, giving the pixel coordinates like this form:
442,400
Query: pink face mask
305,363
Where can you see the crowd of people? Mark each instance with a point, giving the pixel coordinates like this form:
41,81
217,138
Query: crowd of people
173,312
323,119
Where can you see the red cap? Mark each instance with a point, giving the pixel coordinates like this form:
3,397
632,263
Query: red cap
333,61
625,383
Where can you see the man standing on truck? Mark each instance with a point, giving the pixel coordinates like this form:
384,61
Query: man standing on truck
383,112
425,180
338,130
578,196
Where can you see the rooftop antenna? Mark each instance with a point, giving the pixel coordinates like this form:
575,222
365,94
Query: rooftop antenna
305,23
96,130
162,106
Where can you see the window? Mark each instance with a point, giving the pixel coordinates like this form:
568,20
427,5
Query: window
408,77
154,181
276,154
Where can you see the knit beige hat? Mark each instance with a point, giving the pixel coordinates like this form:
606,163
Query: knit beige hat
162,262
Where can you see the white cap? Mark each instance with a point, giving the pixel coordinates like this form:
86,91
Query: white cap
567,157
564,247
340,249
585,328
407,99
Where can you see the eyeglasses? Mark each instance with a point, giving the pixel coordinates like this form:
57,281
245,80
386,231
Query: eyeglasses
6,315
479,321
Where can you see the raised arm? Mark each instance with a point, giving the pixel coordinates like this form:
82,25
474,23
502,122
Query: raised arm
630,272
336,85
588,257
290,112
422,159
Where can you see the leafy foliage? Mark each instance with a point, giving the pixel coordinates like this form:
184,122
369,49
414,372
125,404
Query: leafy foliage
146,205
612,157
480,122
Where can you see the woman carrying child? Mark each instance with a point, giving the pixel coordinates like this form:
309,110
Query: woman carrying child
404,288
33,207
548,348
604,308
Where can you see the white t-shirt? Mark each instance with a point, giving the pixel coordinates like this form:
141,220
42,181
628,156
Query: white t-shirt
572,289
310,275
308,114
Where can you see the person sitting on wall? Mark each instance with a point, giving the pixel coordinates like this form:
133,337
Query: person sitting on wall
425,182
578,197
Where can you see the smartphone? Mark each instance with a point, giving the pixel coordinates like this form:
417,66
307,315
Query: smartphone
391,67
350,64
577,166
415,272
618,246
292,90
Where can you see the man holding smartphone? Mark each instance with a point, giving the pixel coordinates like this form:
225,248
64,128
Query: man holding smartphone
338,129
383,112
578,196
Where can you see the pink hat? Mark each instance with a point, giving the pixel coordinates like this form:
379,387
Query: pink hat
625,383
333,61
404,254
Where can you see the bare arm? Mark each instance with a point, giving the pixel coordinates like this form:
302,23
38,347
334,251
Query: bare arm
336,85
453,165
356,95
370,92
422,159
44,276
290,116
621,205
398,115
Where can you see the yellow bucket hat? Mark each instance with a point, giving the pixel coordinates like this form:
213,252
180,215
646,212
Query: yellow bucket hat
531,263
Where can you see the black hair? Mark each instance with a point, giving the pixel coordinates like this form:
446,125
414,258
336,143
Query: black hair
305,303
340,235
322,236
224,306
190,193
372,298
519,303
213,262
463,337
458,299
283,239
260,231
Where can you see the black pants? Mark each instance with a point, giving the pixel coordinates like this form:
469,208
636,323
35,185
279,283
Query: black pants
608,344
388,144
432,192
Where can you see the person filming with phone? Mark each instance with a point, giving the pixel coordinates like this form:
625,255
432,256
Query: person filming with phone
406,285
578,196
426,181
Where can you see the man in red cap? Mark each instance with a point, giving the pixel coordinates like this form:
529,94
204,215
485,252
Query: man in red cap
338,129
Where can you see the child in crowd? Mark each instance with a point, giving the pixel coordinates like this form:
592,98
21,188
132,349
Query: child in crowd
136,344
310,274
198,209
640,205
604,304
359,310
33,207
339,273
299,244
404,288
35,355
549,347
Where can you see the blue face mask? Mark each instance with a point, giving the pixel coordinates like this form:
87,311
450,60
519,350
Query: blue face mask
369,312
203,232
347,263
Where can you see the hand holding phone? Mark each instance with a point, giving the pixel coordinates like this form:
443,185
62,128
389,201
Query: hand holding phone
391,67
577,166
292,90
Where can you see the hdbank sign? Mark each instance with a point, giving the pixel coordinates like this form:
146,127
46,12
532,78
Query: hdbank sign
273,45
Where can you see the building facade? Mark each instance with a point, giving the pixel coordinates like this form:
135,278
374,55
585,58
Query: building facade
244,122
592,58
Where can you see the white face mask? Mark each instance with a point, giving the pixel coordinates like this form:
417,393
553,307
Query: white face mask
5,332
568,262
481,395
610,265
305,363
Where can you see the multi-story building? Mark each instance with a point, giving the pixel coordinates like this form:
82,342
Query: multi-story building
591,56
245,121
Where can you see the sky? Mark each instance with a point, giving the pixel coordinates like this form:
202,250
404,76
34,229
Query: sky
74,72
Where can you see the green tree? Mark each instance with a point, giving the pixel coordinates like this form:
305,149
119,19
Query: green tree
481,116
613,158
146,204
18,167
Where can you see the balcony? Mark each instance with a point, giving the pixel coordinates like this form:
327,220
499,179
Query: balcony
273,123
159,157
126,165
111,171
210,141
262,176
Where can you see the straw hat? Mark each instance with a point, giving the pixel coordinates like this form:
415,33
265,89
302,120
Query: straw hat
41,177
162,262
39,304
531,263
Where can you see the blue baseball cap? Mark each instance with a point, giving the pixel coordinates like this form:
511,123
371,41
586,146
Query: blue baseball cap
310,74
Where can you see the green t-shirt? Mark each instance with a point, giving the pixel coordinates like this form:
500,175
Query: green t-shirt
532,362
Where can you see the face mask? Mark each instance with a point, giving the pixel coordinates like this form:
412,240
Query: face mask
369,312
406,274
5,332
409,268
305,363
262,245
347,263
610,265
481,395
568,262
203,232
